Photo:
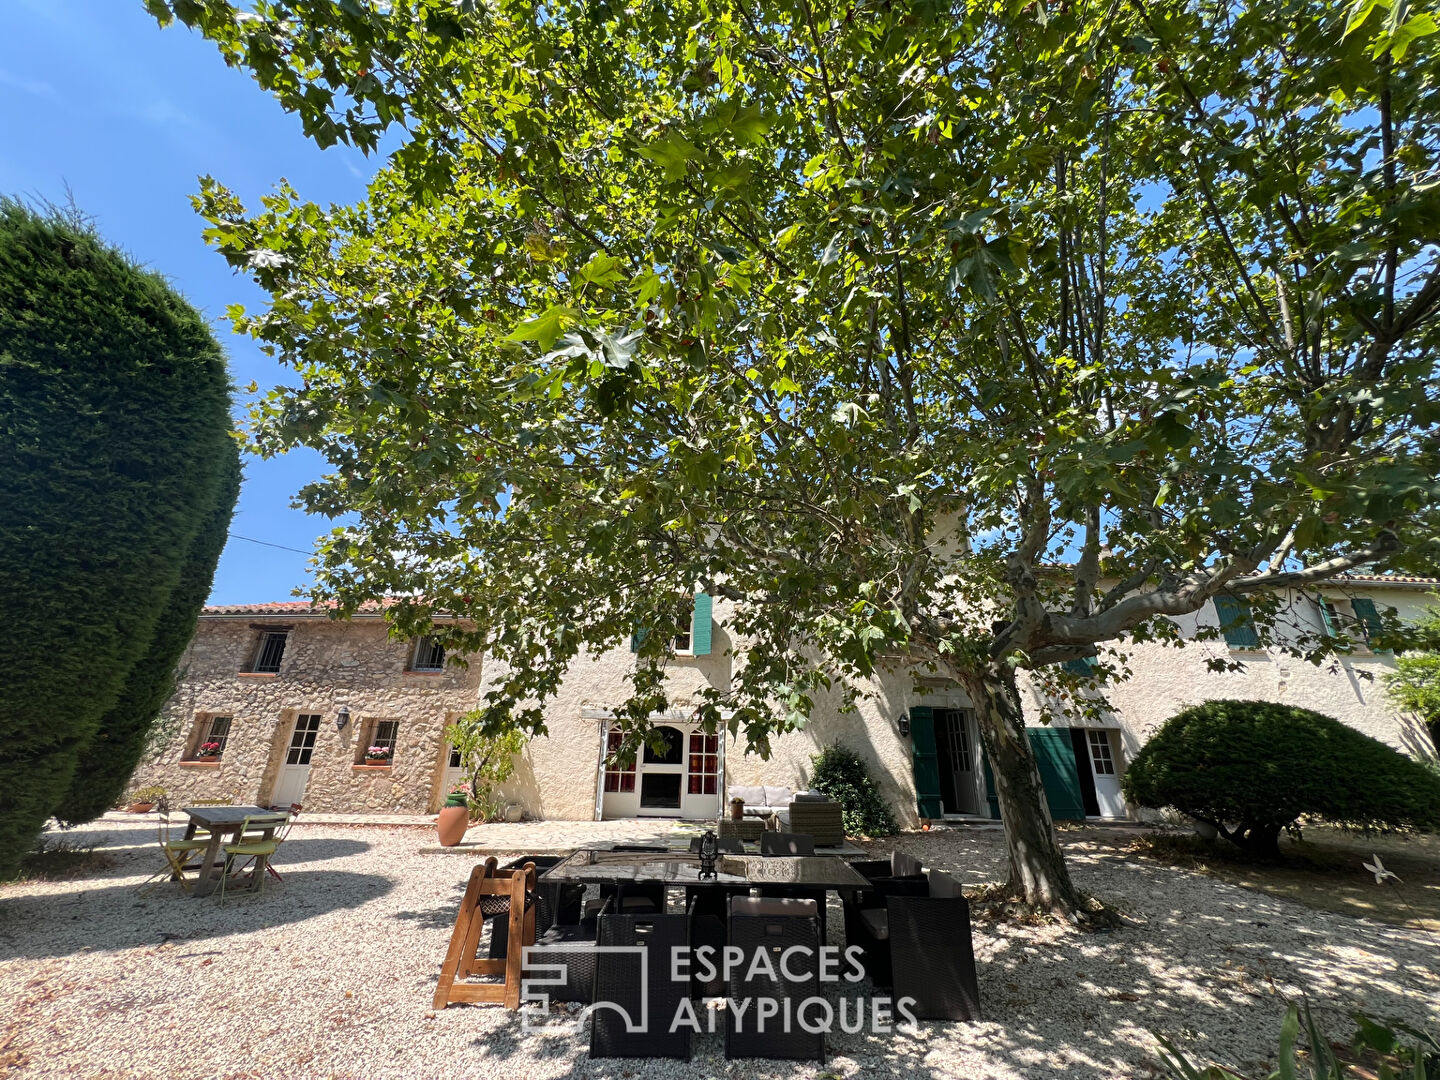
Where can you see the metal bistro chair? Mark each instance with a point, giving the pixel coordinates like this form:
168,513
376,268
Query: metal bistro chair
255,846
178,854
281,834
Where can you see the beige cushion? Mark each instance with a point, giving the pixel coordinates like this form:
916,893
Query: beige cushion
903,865
877,921
778,796
752,796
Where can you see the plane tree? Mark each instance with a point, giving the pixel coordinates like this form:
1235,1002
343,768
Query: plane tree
962,340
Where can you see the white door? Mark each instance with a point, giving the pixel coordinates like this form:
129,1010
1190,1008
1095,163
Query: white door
1107,781
960,746
295,768
683,781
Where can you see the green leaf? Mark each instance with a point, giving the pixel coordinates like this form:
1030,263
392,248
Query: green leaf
671,153
547,328
603,270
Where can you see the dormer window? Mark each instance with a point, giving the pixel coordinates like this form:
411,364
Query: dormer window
428,655
269,651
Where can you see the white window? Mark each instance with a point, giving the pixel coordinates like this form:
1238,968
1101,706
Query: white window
211,735
269,651
429,655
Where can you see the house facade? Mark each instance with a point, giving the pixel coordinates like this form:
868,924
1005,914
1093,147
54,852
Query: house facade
279,704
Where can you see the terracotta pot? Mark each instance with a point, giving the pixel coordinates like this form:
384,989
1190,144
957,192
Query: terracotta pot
737,810
451,824
140,807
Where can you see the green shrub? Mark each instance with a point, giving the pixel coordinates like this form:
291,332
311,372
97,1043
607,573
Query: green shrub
115,452
1252,768
839,773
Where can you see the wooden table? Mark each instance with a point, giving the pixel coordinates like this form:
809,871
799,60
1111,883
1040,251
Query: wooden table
225,824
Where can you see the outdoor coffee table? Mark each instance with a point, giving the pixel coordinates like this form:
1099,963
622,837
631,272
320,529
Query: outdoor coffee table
225,824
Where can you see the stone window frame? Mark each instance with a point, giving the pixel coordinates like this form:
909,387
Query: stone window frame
375,735
202,730
263,634
429,643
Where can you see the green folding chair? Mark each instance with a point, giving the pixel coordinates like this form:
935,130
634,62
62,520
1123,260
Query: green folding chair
178,853
254,847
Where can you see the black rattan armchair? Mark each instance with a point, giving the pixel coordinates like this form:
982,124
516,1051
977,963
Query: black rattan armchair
916,937
774,926
632,1016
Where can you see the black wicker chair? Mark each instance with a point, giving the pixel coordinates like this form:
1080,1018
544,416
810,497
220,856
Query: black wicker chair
899,875
773,925
623,1003
709,907
556,903
567,954
786,843
916,939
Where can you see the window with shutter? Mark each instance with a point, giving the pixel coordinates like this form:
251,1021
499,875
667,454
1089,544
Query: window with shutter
1082,666
1236,623
700,620
1367,615
1329,618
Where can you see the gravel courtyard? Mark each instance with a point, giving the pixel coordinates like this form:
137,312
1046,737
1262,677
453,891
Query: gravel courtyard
330,973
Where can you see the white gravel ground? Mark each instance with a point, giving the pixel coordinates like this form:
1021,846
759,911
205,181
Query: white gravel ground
330,974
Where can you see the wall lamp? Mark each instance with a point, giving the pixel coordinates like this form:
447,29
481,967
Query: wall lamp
342,718
903,724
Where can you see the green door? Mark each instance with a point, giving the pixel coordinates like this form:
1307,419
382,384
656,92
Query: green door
1055,754
927,762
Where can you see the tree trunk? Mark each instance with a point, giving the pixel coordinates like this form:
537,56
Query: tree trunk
1038,874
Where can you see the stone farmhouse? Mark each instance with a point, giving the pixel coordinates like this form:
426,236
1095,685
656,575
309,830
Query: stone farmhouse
294,699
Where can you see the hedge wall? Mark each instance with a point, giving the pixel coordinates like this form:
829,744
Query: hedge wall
114,451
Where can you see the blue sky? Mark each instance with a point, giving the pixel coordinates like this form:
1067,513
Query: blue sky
98,98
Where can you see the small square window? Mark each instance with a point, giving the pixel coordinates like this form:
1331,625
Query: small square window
269,651
211,735
429,655
379,748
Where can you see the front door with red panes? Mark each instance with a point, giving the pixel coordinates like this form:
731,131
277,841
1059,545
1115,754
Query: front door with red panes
682,779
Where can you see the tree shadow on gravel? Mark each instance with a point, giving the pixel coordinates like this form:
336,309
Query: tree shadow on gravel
440,917
117,916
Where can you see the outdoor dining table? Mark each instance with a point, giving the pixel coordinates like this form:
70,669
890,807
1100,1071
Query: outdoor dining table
225,824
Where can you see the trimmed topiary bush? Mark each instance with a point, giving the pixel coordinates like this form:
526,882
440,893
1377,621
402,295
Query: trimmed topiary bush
116,455
1252,768
840,774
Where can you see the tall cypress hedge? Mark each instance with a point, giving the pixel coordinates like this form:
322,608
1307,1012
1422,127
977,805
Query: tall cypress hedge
124,733
115,456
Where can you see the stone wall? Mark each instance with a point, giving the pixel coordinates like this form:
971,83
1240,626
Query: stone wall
327,664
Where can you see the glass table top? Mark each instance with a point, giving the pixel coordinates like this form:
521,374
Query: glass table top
679,868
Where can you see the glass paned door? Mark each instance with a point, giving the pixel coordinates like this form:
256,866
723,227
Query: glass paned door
295,768
1107,779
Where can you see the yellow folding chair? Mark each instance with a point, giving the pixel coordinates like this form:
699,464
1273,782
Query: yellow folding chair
178,853
256,847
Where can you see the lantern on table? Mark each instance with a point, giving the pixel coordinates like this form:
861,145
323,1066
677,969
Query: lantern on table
709,850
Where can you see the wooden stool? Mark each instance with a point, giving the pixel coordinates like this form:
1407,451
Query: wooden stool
490,892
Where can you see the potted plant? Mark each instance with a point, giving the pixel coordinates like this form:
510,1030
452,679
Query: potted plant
454,816
209,751
377,755
488,759
737,809
146,799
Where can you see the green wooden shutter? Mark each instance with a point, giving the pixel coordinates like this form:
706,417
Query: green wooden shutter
637,639
700,626
1235,622
1329,618
991,796
1369,617
1083,666
1055,754
927,762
